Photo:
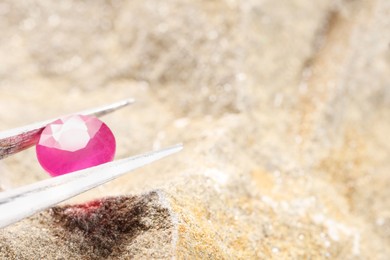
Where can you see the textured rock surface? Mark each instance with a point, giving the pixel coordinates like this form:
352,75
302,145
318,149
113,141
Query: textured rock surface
283,108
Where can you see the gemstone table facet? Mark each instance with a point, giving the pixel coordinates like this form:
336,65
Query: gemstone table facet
74,143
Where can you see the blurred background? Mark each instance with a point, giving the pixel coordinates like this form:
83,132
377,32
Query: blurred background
283,107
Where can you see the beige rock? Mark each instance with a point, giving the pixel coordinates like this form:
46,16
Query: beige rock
283,108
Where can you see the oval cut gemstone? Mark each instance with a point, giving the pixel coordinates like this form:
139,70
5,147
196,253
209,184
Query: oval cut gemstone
74,143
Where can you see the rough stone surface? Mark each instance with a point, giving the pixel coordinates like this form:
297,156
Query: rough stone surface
283,108
109,228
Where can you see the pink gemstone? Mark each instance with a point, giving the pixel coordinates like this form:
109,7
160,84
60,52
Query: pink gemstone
74,143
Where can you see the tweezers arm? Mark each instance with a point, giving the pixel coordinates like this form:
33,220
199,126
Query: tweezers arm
16,140
25,201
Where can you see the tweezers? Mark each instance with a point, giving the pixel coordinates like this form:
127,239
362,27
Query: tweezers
19,203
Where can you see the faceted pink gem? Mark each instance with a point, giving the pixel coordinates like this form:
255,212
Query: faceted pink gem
74,143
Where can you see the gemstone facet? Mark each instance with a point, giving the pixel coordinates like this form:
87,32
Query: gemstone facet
74,143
